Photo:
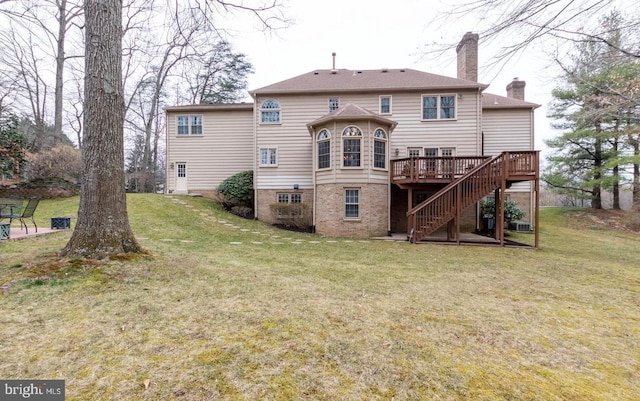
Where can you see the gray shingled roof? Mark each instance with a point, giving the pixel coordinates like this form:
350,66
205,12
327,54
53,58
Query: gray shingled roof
344,80
210,106
491,101
352,111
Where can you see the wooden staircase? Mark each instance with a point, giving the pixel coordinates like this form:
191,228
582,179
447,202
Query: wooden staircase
448,204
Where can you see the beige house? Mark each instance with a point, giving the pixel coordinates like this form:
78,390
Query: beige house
362,153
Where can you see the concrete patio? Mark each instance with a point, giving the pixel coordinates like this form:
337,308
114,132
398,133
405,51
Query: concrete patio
17,233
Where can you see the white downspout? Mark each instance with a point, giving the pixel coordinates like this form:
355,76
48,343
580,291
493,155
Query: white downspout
313,178
168,158
255,159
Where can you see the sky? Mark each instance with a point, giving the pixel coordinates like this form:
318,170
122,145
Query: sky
373,34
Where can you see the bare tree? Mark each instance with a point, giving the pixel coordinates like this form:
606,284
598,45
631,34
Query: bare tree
190,50
24,66
40,29
66,15
103,223
187,36
527,22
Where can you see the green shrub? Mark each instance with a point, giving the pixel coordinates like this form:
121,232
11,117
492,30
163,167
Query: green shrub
290,214
511,210
237,190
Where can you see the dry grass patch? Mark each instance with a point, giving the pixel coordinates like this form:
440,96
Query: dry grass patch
265,318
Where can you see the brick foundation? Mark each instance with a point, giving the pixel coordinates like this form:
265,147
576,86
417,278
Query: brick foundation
267,197
373,210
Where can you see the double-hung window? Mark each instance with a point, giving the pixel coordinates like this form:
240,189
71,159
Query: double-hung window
385,104
270,112
438,107
351,139
189,125
334,104
379,148
268,156
324,149
352,203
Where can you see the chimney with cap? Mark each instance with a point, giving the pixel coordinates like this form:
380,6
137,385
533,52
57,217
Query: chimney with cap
467,51
515,89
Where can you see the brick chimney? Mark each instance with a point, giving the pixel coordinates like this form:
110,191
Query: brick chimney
515,89
467,51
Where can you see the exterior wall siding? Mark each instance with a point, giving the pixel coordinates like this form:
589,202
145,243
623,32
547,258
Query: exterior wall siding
294,143
510,129
223,149
462,133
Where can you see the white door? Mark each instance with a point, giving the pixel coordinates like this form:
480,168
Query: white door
181,178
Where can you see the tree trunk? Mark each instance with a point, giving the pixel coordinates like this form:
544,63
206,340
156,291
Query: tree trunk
62,29
616,176
596,198
103,223
636,177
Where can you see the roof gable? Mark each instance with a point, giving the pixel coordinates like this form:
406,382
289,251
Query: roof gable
352,111
345,80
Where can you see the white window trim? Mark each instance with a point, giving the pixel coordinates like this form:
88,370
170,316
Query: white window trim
409,149
386,150
261,110
317,155
289,195
268,148
189,125
439,97
451,148
390,105
329,103
344,214
361,139
424,151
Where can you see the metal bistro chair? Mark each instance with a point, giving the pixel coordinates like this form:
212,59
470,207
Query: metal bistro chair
27,213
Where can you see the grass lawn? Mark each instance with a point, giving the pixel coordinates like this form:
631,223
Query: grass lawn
231,309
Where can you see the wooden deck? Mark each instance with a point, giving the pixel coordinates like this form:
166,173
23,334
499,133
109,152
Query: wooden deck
464,181
520,166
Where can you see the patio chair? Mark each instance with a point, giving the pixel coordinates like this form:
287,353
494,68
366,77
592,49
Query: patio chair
27,213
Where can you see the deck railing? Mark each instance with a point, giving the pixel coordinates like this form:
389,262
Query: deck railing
466,191
422,169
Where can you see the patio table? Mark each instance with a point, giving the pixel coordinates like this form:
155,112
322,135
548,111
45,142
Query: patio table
8,208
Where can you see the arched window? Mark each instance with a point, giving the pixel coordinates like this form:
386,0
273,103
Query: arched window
324,149
379,148
351,138
270,112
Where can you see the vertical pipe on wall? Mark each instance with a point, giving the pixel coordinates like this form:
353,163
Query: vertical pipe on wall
256,114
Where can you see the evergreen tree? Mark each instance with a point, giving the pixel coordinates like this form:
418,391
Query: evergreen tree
596,109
